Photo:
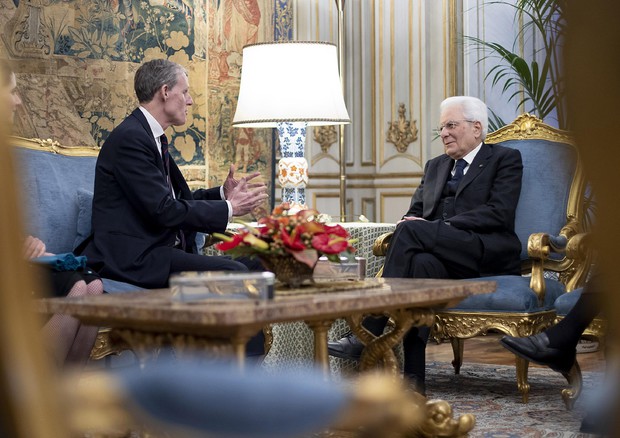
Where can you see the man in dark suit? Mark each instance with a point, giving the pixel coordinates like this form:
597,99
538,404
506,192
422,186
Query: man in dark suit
144,215
460,223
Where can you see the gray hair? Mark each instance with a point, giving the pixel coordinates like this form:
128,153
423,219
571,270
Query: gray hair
473,109
153,75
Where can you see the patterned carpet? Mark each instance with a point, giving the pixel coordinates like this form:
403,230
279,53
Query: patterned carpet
490,393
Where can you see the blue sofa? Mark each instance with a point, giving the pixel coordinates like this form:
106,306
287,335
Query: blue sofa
57,187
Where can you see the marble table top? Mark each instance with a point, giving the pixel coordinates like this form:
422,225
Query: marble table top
154,310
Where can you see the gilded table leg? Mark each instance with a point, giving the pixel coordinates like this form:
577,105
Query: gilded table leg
211,347
145,345
321,355
379,349
238,345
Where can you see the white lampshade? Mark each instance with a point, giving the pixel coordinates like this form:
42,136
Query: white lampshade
290,81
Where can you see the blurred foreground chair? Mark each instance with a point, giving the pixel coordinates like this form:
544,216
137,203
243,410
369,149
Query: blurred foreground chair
555,257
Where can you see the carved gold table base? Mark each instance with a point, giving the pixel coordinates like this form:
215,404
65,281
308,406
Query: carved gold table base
147,321
437,419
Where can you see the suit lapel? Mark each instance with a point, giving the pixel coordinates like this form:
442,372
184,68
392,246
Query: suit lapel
137,113
441,176
476,167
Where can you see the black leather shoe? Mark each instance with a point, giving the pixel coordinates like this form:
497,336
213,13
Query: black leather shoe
536,349
348,347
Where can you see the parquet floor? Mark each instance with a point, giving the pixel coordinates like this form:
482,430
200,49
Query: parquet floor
488,350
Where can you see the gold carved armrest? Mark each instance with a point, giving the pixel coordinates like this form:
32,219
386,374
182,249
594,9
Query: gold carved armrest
380,246
573,267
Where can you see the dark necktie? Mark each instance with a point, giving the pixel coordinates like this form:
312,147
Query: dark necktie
165,154
457,177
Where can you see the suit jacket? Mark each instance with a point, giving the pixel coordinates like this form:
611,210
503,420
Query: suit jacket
135,219
485,202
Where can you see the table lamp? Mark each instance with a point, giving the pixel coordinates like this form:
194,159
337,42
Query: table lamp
290,85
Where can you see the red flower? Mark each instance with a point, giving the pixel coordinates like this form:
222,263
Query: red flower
234,241
337,230
299,235
293,241
330,244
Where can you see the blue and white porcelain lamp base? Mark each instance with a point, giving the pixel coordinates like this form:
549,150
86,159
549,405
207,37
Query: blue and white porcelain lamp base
293,167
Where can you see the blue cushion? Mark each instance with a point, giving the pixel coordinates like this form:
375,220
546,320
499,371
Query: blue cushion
218,400
513,294
85,213
114,286
567,301
545,187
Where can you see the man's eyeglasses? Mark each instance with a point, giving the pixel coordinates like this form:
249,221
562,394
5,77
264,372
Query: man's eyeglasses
451,125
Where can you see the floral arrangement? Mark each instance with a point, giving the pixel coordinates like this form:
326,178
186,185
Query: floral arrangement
282,233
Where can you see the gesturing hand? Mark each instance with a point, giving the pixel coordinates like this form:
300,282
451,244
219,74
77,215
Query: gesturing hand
230,183
246,197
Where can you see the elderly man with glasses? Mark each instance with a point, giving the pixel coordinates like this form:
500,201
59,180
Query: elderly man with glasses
460,223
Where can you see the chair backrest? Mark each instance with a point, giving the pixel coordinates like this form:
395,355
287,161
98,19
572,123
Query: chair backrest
553,182
56,185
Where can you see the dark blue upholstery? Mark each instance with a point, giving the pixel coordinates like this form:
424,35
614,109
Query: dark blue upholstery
566,302
49,186
219,401
548,171
513,294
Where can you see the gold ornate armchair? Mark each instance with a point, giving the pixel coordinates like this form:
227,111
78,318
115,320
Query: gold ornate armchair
555,256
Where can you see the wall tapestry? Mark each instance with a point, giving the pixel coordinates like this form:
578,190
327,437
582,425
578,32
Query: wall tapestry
75,61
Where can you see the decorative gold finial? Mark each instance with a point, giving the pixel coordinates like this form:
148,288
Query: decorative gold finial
325,136
402,132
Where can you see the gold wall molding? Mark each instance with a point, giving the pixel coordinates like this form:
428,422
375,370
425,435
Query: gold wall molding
402,132
366,186
325,136
369,176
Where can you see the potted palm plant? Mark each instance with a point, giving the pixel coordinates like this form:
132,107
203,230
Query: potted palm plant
538,81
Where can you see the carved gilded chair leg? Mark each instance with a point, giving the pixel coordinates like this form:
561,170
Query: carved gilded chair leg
458,345
574,379
522,368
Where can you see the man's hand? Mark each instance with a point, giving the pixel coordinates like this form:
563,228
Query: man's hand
246,197
33,248
230,183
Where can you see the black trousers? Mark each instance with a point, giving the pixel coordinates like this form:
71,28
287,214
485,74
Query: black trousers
427,249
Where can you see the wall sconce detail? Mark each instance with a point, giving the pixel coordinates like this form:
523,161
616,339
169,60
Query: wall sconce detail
403,132
325,136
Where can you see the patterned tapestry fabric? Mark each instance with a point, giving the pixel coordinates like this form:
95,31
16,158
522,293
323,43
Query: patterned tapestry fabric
76,76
